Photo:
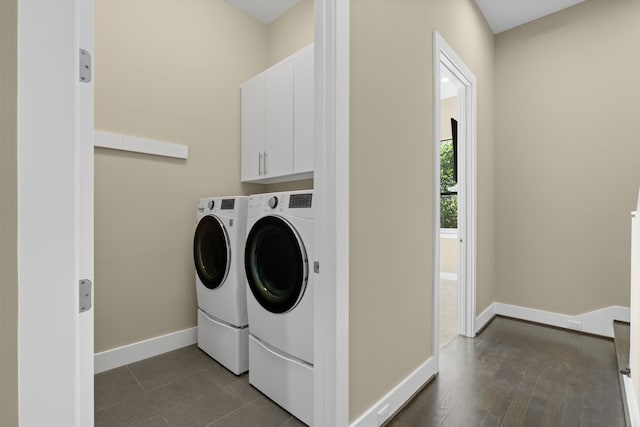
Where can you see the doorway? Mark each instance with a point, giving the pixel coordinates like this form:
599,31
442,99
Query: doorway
449,212
455,196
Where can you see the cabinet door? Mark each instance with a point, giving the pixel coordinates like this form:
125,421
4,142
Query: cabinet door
303,119
252,115
279,120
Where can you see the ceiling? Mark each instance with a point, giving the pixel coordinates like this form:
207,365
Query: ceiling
503,15
264,11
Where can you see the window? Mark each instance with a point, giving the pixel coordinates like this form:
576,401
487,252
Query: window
448,187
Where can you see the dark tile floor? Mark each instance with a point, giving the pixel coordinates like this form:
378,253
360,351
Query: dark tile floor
521,374
182,388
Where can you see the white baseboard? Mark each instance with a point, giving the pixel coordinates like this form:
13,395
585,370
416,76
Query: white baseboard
396,398
448,276
485,317
124,355
597,322
632,403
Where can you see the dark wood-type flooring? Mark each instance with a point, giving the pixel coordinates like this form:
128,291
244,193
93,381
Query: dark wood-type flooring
521,374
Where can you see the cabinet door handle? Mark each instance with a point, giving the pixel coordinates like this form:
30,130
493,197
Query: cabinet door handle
265,162
259,164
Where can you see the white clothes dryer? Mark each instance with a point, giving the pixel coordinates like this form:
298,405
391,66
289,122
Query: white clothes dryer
278,255
218,248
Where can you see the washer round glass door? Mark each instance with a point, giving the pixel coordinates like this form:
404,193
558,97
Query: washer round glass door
276,264
211,252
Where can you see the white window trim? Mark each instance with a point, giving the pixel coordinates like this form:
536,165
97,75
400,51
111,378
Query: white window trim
448,233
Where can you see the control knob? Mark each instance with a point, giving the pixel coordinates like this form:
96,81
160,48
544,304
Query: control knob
273,202
211,204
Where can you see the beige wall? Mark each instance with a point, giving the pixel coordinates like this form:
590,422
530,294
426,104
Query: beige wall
291,32
448,110
448,255
391,153
170,71
8,213
567,155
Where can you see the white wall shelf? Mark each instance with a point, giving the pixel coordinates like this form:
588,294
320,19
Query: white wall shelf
118,141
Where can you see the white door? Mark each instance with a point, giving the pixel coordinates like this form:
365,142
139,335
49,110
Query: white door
55,219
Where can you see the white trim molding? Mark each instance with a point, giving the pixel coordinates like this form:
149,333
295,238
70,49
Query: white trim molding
448,276
448,233
632,403
597,322
393,401
485,317
130,353
118,141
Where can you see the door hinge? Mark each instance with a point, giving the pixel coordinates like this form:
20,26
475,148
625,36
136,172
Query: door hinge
85,295
85,66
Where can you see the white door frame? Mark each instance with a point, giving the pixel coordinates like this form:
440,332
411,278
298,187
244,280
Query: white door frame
55,220
331,213
444,55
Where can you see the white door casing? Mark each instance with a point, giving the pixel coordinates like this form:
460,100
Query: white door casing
85,184
331,213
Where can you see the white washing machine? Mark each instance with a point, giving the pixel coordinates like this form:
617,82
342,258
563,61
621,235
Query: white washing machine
280,298
218,248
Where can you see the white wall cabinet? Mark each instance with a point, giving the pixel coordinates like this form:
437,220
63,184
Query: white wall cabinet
277,121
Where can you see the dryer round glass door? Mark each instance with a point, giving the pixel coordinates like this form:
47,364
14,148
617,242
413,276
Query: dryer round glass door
211,252
276,264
